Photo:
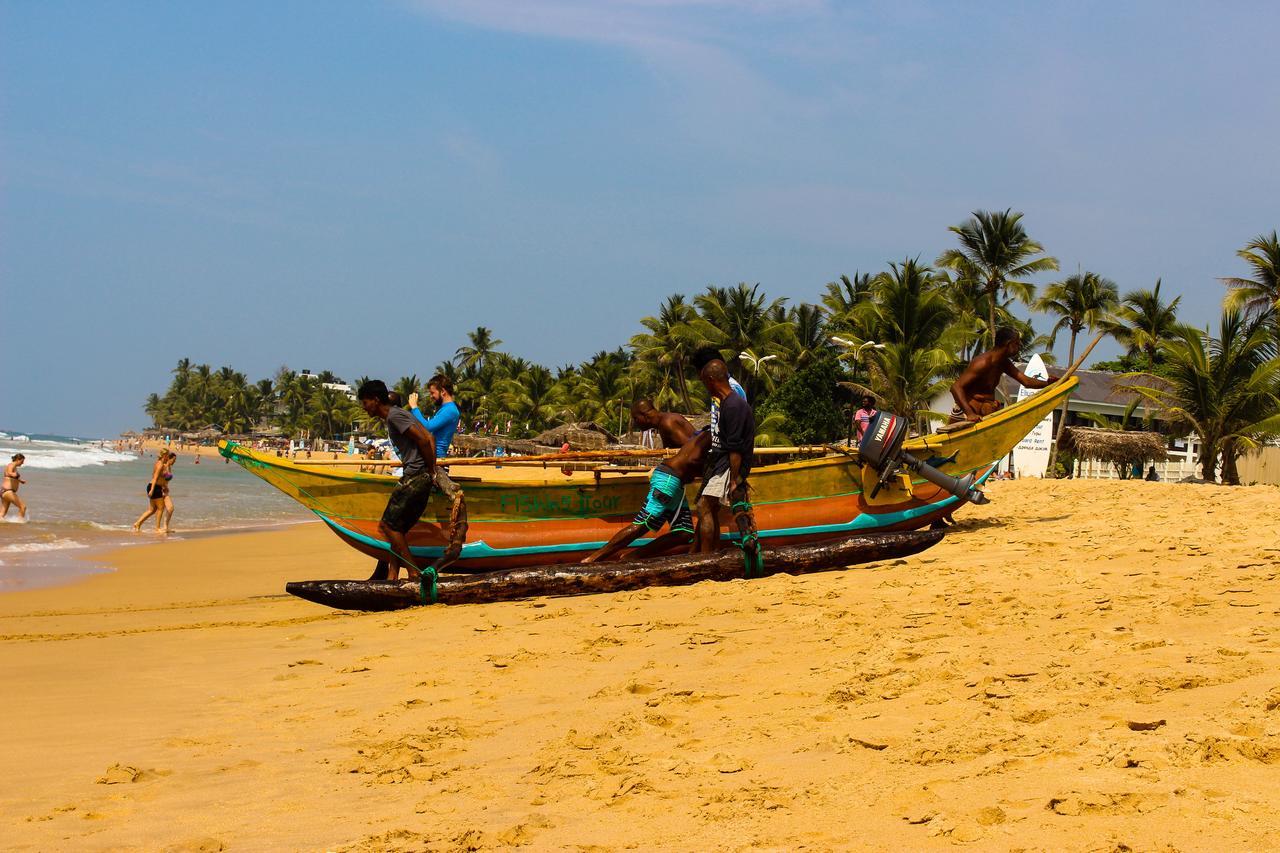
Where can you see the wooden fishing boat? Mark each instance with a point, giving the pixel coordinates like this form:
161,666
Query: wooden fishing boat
525,515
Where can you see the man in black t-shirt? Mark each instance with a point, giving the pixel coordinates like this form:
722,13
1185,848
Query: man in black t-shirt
733,437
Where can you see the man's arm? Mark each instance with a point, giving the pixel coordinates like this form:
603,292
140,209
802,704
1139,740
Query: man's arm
1012,370
426,445
441,418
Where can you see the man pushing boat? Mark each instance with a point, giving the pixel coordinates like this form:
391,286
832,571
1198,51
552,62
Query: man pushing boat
417,451
975,390
733,437
666,502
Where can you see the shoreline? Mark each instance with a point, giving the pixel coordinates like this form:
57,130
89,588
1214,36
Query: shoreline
1079,664
79,564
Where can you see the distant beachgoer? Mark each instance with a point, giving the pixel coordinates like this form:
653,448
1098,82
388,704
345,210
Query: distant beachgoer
1152,476
975,390
408,500
733,433
168,497
9,487
666,503
862,417
155,492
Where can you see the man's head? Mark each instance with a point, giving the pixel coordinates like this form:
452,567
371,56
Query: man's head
1009,340
374,398
440,387
715,375
868,402
644,415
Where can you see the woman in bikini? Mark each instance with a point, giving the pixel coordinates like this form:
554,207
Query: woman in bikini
168,498
9,488
155,492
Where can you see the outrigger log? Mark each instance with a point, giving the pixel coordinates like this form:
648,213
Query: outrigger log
560,580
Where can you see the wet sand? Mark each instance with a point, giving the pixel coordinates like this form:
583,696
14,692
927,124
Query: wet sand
1096,670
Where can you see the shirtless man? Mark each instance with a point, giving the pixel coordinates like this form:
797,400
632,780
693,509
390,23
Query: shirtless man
975,390
9,488
675,429
666,503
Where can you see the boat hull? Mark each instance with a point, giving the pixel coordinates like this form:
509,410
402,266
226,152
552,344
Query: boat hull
533,516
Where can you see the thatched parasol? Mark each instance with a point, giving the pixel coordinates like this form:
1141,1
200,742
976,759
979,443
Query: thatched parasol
586,435
1117,447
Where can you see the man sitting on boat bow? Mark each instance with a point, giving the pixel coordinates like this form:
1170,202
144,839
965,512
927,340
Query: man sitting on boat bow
975,390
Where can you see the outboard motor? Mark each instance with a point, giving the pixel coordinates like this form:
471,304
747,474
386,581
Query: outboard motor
881,448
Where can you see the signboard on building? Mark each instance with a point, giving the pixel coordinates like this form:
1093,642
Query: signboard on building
1031,457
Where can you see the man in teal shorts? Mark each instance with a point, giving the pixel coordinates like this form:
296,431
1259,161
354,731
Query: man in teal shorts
666,503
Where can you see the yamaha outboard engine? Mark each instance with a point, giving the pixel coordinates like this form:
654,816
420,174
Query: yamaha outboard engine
881,448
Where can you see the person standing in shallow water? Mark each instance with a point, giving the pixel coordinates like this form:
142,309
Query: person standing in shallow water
155,492
9,488
167,476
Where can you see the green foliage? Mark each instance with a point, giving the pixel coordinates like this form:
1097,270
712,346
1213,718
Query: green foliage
903,334
809,403
1224,388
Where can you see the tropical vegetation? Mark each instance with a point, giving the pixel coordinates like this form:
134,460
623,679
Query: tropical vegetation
901,333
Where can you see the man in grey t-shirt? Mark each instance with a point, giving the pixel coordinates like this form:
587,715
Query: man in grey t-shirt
408,500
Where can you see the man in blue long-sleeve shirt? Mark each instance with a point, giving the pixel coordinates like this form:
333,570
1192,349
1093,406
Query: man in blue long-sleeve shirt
443,423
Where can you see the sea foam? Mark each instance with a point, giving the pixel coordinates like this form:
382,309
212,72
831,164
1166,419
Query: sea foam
49,455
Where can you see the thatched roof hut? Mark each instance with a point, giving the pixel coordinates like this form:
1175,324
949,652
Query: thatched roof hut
587,435
1117,447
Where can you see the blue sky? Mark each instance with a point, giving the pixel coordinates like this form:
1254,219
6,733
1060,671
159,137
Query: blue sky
354,186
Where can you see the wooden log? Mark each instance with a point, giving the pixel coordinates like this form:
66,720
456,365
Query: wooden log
576,579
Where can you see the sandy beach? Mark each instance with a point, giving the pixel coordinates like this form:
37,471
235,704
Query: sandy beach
1093,670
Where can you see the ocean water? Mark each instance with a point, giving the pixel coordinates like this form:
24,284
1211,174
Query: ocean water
83,496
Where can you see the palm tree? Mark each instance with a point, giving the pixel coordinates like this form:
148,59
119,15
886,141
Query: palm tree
809,337
669,340
910,316
476,355
996,253
1225,389
1144,321
841,297
744,319
405,386
1082,301
1262,292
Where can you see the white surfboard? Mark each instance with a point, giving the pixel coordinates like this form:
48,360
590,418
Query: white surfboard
1030,458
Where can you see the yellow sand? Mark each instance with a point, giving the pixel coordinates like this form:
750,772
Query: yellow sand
1097,669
